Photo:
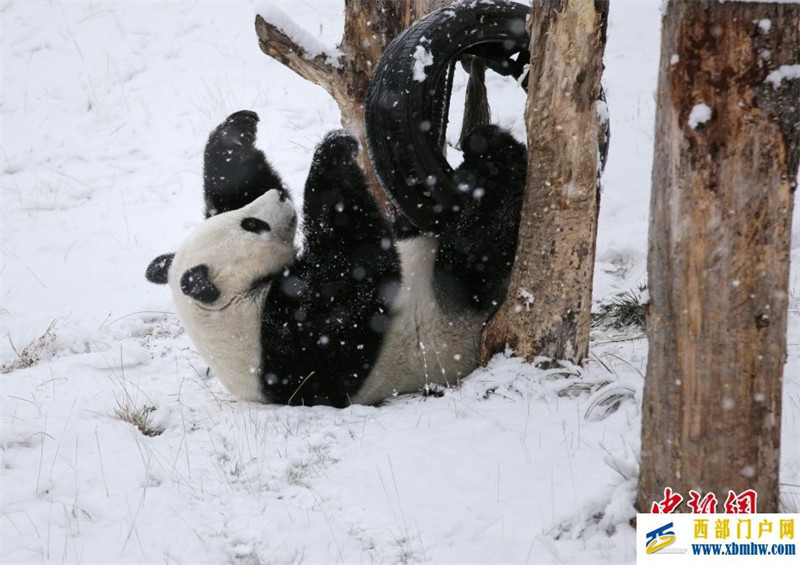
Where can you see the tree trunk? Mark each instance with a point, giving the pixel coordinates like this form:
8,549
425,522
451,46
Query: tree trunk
476,102
548,307
726,159
369,26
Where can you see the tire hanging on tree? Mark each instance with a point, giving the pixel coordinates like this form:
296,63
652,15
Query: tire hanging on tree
408,100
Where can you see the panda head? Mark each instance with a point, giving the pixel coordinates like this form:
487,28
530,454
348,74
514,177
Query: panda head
231,255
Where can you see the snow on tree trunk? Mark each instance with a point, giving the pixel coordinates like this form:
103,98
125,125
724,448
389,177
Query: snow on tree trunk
548,307
726,158
369,27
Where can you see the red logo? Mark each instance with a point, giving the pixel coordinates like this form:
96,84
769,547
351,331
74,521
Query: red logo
742,503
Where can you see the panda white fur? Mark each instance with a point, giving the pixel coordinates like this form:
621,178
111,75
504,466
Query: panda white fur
240,251
365,310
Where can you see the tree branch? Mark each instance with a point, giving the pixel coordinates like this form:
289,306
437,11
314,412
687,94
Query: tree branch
275,43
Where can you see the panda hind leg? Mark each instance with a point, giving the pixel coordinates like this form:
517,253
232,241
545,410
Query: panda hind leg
235,171
338,207
477,249
349,274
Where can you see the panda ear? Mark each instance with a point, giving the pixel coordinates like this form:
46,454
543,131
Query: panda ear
196,284
158,269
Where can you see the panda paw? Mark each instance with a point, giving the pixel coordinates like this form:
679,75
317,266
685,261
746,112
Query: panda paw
235,172
490,142
238,130
337,204
339,148
493,161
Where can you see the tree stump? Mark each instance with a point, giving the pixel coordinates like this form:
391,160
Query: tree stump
726,157
547,311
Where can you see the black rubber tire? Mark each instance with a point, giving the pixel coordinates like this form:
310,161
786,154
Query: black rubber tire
406,115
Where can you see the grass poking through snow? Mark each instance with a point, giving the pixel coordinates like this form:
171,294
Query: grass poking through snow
32,353
139,416
626,310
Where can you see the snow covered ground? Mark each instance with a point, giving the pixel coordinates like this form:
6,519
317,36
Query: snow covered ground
104,109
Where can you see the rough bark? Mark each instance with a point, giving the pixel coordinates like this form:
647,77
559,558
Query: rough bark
547,309
476,103
718,264
368,28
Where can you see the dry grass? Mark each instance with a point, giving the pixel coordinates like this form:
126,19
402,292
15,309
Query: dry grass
32,353
624,311
137,415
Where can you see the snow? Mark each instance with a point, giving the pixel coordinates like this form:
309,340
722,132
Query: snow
602,112
422,59
527,297
784,72
764,25
311,44
699,115
105,109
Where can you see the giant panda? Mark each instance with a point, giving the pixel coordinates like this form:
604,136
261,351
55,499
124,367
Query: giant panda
365,309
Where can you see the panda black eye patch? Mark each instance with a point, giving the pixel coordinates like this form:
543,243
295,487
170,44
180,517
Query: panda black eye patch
195,283
259,227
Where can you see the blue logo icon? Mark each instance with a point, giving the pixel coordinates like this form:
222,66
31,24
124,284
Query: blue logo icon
660,538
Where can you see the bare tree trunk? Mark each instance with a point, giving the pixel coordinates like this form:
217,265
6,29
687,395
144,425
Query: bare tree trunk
726,159
476,103
548,307
369,27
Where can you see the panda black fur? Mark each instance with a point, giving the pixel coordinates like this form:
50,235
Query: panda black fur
232,159
361,313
